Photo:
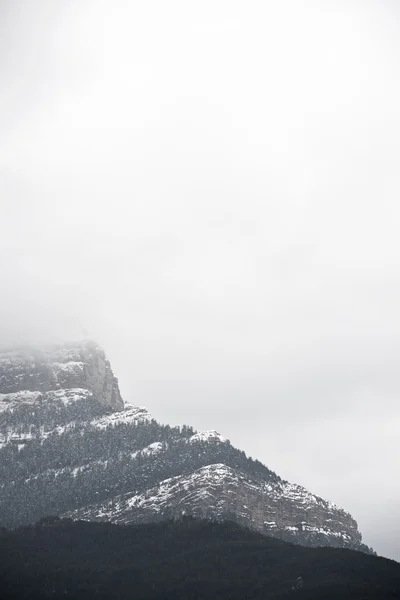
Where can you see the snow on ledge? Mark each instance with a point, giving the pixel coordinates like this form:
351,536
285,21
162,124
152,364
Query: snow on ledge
154,448
208,436
129,414
8,401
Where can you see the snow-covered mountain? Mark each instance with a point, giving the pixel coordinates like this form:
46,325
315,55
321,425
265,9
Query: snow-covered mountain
70,446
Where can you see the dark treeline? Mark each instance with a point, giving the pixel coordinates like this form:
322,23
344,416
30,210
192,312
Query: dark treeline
187,559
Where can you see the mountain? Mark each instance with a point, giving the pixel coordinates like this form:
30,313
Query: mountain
70,446
185,559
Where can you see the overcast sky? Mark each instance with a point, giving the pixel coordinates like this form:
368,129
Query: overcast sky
211,191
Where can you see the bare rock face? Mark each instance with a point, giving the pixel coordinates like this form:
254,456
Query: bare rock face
272,507
69,446
82,367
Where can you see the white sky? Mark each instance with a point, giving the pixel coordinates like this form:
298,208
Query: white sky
211,191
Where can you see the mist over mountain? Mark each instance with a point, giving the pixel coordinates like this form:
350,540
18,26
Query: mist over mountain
70,446
211,192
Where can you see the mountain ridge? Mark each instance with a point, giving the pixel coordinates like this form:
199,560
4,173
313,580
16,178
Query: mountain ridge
69,445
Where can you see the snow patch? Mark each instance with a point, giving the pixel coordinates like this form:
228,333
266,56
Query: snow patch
154,448
208,436
73,367
130,414
10,401
68,396
299,495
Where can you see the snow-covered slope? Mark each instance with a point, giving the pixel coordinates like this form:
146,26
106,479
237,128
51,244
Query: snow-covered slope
69,445
218,491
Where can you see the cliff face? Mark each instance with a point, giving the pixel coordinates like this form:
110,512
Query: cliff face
217,491
69,446
82,367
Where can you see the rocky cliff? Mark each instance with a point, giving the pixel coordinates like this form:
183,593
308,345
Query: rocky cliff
70,446
31,374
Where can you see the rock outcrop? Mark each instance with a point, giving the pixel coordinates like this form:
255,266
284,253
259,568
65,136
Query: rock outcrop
29,373
70,446
275,508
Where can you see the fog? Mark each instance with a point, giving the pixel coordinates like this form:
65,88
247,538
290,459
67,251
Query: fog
211,191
